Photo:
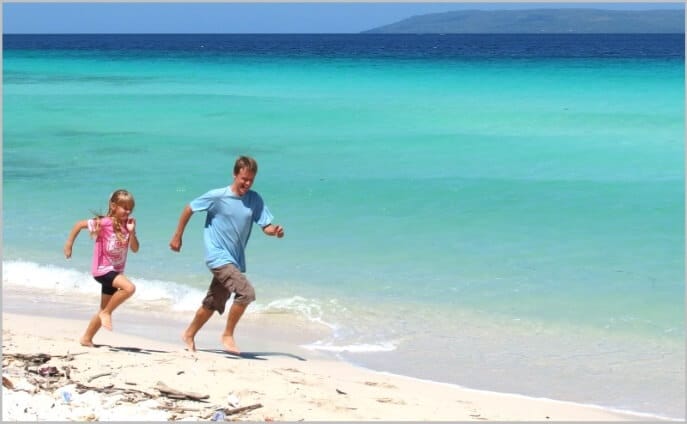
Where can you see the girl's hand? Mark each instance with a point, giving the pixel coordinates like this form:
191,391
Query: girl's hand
94,227
67,251
131,224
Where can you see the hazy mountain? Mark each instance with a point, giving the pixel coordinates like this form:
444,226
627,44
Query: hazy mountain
540,21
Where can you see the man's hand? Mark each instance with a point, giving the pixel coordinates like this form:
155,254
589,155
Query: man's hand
274,230
175,243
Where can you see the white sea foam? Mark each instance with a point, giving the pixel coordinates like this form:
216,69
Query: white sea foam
150,293
353,348
66,281
310,309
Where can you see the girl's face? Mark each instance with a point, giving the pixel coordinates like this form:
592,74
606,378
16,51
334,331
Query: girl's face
122,210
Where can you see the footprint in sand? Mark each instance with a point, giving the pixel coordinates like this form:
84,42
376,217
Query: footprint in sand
476,415
389,400
377,384
286,369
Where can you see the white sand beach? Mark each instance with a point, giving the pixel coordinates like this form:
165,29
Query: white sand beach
130,377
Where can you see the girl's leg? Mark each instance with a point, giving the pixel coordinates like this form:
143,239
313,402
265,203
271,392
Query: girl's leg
126,290
94,324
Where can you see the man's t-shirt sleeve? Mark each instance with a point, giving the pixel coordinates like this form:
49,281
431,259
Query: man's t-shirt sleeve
204,202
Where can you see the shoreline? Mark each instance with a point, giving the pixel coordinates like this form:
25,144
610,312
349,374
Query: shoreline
254,332
290,382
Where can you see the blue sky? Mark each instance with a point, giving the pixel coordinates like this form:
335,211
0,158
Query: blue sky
247,17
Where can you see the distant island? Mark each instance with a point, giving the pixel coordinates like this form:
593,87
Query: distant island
540,21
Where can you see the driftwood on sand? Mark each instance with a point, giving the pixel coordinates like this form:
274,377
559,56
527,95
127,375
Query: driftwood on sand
241,409
178,394
102,374
37,358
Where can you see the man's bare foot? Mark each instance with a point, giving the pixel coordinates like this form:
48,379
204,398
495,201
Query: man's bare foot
229,345
105,320
189,342
87,343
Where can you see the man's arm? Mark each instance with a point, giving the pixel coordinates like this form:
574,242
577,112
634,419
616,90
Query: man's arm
175,243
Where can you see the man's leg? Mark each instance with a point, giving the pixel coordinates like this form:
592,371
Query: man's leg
235,313
202,316
233,281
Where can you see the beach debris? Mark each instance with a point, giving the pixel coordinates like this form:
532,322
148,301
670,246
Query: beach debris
32,359
110,388
171,406
341,392
48,371
217,416
178,394
99,375
233,400
242,409
43,382
227,412
38,358
67,371
66,396
7,383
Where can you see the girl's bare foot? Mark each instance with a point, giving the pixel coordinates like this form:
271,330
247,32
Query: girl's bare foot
230,345
105,320
189,342
87,343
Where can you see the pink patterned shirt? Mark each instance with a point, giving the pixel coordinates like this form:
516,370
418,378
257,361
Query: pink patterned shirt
109,253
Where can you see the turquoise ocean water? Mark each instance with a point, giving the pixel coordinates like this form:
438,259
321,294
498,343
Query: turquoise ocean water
503,222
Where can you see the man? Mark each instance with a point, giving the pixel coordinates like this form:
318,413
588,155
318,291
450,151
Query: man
230,214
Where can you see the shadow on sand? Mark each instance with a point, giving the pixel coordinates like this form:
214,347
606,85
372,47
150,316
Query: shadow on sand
130,349
258,356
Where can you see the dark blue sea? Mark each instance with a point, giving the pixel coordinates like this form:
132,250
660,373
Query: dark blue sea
368,46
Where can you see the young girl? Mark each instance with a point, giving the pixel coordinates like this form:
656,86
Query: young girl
114,234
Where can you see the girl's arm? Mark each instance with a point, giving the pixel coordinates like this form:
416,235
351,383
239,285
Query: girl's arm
133,240
80,225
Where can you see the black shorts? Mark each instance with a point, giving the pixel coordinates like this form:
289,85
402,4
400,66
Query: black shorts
106,281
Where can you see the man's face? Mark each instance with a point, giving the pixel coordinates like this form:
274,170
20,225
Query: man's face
243,181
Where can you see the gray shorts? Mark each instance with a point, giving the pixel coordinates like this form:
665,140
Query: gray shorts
226,280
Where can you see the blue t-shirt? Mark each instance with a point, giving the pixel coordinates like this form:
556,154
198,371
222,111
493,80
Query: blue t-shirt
228,223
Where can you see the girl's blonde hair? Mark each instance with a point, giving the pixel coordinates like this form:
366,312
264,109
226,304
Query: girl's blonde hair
118,197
